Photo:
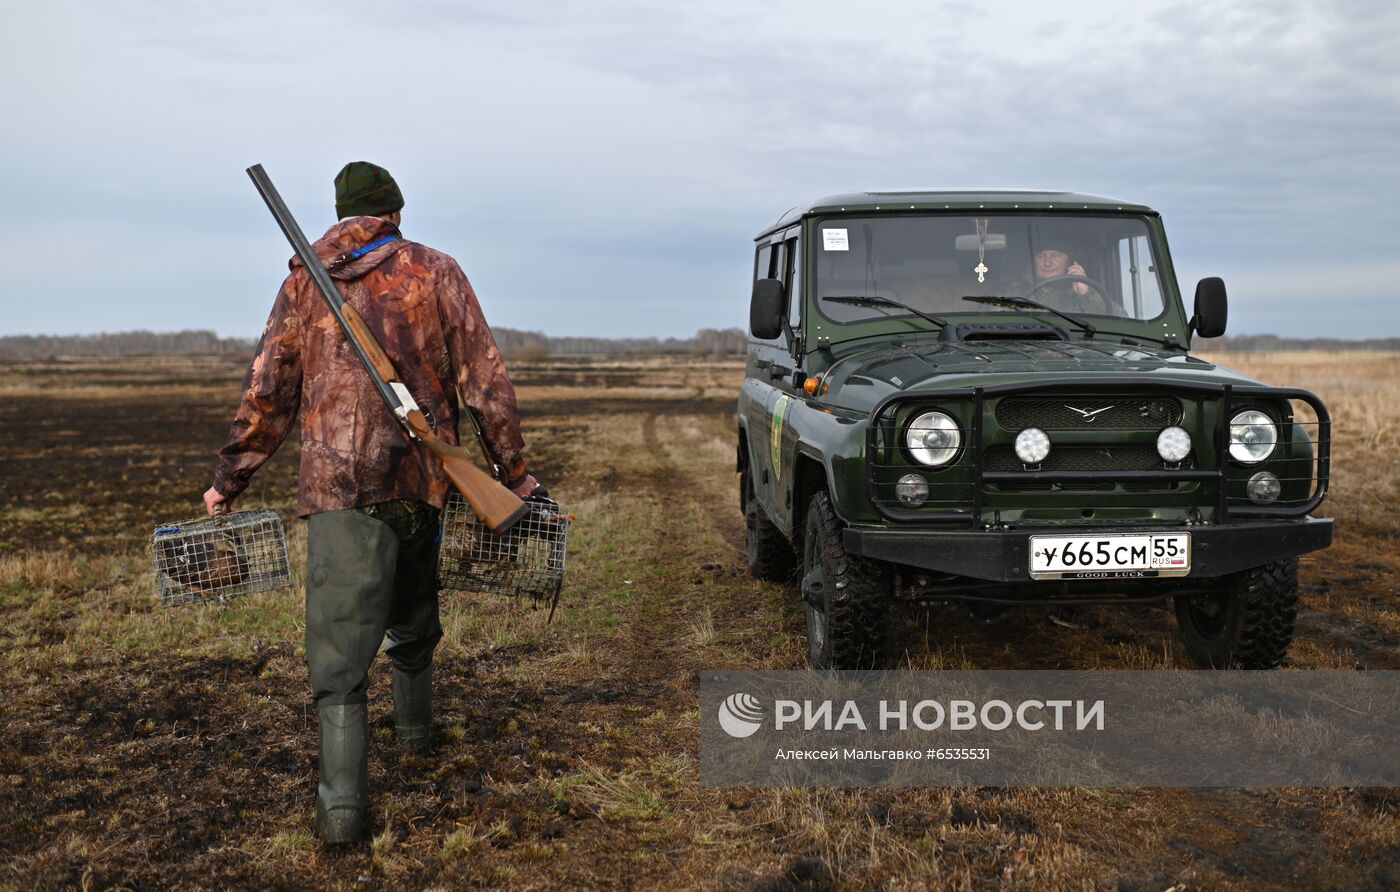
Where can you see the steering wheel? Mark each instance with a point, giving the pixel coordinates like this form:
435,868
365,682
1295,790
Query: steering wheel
1108,301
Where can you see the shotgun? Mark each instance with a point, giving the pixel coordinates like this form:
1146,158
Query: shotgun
496,506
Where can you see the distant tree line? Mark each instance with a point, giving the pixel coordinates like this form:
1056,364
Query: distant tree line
1268,342
122,343
707,341
513,343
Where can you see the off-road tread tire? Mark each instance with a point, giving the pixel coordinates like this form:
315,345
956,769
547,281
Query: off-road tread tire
770,555
857,624
1259,625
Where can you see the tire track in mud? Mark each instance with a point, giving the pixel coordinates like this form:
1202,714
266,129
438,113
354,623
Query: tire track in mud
674,490
719,510
681,580
716,517
721,591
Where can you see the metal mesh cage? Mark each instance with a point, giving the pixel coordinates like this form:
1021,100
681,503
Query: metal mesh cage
220,558
525,561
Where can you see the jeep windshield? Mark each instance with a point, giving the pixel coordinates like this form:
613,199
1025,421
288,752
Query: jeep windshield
1085,266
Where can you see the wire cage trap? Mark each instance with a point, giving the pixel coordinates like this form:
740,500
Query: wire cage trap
220,558
527,560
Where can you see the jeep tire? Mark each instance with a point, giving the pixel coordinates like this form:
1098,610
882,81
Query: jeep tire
846,598
1249,626
770,555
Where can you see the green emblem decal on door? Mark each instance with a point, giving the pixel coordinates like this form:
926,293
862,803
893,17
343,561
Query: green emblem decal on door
776,437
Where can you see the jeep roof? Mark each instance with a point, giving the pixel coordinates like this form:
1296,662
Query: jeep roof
955,199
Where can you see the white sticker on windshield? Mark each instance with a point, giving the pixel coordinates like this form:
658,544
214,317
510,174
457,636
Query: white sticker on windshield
835,240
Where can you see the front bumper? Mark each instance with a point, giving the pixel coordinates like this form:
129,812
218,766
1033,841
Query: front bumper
1003,555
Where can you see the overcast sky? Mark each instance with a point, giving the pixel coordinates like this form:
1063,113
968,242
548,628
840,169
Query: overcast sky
601,168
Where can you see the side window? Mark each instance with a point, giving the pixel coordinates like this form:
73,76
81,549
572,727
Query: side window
763,264
1142,294
792,280
767,263
779,268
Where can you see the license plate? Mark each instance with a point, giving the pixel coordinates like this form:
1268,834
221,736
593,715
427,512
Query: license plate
1126,556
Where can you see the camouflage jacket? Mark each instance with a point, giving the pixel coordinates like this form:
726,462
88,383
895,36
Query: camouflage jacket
422,310
1063,297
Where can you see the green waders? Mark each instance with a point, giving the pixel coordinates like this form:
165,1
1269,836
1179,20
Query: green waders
371,572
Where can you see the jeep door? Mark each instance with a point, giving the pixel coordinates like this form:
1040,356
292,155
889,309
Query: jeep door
770,391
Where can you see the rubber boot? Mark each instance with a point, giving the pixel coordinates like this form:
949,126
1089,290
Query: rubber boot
343,792
413,708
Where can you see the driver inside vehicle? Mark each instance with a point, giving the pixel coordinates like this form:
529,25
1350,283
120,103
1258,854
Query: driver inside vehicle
1052,262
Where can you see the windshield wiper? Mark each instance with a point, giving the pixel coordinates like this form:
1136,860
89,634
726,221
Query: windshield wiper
1025,303
875,301
1168,341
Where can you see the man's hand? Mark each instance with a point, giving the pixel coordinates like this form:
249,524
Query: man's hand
529,487
1079,287
214,502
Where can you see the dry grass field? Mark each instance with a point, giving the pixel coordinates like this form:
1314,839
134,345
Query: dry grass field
147,748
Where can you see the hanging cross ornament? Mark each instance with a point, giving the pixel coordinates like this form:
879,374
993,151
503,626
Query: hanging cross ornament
981,267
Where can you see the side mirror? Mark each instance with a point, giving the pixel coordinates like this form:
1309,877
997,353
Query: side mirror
1211,308
766,309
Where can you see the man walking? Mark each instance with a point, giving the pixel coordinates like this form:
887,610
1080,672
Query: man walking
371,496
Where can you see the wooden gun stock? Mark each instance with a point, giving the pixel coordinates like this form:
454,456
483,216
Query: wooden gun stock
359,330
496,506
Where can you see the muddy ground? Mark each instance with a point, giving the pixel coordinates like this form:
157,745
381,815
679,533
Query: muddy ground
147,748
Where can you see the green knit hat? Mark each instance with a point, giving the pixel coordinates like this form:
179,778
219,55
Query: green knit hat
365,190
1055,237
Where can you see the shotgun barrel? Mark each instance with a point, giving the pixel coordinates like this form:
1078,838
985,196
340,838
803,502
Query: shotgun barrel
319,276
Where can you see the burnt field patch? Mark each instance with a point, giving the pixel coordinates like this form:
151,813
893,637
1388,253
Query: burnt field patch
150,748
66,374
89,473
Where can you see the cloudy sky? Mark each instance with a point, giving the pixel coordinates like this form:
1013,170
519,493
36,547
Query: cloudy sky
601,168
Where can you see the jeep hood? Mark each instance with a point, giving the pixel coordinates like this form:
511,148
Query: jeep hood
860,379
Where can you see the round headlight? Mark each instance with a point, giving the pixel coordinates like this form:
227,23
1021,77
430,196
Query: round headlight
933,438
911,489
1263,488
1173,444
1032,445
1252,436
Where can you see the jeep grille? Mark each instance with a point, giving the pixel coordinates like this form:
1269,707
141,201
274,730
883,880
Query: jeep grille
1126,413
1108,457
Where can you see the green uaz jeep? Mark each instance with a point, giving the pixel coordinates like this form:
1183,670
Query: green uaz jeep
987,397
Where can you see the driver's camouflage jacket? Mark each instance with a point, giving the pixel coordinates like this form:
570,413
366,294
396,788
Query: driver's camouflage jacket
1062,296
422,310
